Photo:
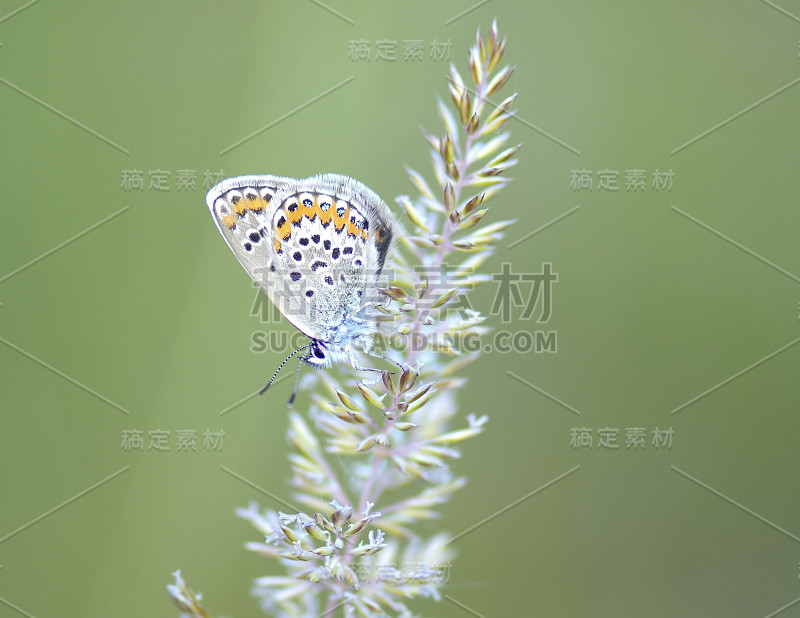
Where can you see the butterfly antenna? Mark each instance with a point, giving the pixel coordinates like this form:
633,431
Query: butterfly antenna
278,370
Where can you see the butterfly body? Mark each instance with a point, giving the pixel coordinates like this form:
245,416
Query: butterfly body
316,247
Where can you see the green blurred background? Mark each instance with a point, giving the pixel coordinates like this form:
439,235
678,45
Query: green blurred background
151,311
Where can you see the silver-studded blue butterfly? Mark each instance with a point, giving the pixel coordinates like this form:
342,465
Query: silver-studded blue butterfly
317,247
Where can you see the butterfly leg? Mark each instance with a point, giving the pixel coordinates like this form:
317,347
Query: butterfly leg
355,365
296,382
357,368
388,360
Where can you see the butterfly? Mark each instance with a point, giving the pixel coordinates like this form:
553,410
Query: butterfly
316,247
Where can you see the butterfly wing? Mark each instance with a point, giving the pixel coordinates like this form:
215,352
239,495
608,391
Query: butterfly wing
334,234
240,205
315,246
242,210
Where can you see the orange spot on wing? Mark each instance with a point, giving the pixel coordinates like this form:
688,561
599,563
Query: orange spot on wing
277,244
285,230
294,216
239,205
258,204
316,208
308,212
339,222
325,216
229,221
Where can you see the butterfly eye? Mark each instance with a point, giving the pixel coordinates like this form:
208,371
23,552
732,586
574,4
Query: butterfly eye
317,351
